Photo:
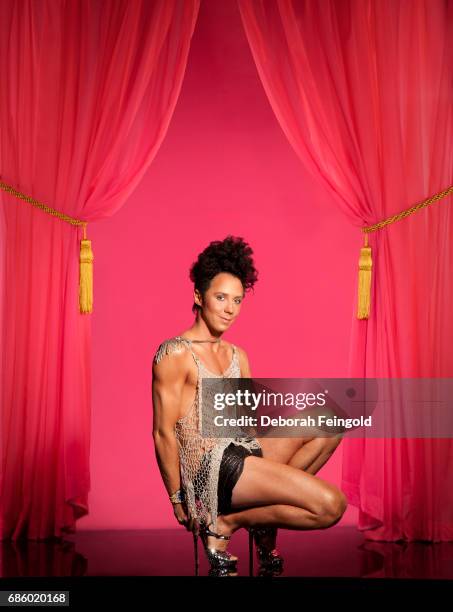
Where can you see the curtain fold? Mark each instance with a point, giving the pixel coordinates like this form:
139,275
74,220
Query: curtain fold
88,91
363,91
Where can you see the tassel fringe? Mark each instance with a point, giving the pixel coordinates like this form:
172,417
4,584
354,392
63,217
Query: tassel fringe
86,276
169,346
364,284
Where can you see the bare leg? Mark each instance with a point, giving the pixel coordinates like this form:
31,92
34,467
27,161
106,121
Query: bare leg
308,454
314,454
269,493
278,515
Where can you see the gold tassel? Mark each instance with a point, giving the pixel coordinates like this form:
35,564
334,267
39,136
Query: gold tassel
86,275
365,265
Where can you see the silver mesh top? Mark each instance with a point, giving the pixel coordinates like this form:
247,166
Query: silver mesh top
200,456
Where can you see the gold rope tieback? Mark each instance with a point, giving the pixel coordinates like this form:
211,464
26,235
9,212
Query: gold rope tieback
86,254
365,260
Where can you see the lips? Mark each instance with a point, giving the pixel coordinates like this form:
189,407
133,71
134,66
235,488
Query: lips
226,320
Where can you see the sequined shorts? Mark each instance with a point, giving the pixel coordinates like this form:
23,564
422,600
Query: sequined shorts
231,468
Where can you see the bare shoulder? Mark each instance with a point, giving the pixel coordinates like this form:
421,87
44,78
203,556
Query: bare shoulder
241,351
172,358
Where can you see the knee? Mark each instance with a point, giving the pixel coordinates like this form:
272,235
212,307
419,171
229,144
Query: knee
333,505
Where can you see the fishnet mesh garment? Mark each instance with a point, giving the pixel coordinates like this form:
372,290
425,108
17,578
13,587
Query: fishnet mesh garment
200,456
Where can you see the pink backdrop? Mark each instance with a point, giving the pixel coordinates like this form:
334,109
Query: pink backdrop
224,167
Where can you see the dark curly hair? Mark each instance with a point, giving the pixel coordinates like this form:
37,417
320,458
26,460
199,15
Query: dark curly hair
231,255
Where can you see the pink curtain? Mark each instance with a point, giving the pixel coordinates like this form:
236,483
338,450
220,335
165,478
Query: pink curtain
88,91
363,91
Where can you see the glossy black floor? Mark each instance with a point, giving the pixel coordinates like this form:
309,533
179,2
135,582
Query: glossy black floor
335,552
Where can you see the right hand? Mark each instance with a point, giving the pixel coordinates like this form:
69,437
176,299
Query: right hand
183,518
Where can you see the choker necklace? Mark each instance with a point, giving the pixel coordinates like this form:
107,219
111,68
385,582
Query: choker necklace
190,340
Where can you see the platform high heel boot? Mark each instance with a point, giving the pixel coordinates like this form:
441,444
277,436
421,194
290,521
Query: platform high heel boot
269,559
220,561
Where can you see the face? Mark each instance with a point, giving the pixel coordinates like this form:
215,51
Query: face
221,303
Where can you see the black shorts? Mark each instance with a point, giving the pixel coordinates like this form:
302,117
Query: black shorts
231,468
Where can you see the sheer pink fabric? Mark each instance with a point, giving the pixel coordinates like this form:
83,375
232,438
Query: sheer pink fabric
363,91
88,91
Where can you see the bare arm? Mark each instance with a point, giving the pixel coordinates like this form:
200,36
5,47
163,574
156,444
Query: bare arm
169,377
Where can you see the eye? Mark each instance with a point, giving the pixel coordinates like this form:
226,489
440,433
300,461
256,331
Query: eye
238,301
220,296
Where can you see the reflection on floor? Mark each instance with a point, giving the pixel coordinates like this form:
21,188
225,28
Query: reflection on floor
335,552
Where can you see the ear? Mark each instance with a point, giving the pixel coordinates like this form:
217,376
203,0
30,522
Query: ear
197,297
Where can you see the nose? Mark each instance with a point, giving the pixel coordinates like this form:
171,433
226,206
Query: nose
229,307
